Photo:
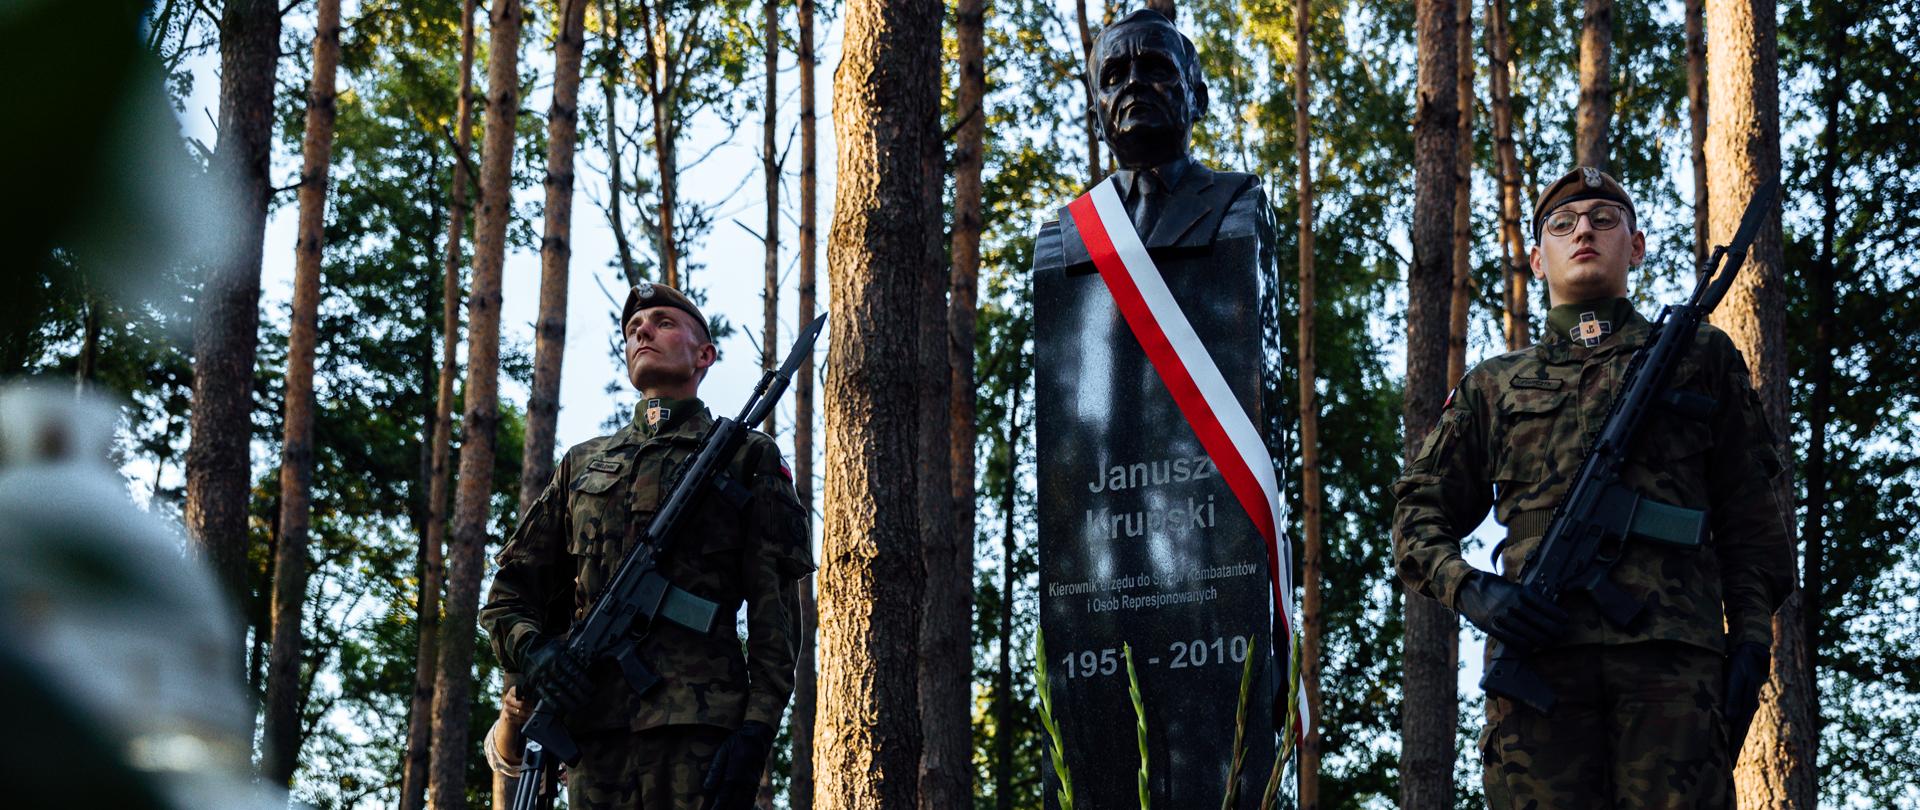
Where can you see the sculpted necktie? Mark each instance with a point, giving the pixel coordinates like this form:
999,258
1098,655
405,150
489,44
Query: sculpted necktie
1150,199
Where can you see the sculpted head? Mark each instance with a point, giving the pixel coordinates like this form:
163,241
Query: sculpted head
1146,78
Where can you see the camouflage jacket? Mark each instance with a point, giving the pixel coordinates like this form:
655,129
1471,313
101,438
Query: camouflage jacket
1513,434
573,538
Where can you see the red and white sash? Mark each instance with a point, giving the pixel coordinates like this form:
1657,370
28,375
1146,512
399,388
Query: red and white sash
1230,438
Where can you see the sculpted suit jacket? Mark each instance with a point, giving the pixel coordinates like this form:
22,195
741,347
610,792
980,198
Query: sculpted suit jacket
1200,201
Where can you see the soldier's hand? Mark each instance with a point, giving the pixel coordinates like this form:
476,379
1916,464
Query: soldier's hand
558,675
1509,611
516,707
733,780
1746,671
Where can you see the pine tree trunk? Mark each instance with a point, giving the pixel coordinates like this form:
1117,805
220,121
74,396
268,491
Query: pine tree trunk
413,791
1697,112
1313,558
1743,151
472,508
1165,7
227,319
612,15
283,726
880,252
945,655
1003,708
1594,140
1513,249
805,682
556,251
1462,200
1095,169
1429,712
946,662
661,95
770,169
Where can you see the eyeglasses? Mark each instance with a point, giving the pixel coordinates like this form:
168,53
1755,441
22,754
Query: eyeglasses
1601,217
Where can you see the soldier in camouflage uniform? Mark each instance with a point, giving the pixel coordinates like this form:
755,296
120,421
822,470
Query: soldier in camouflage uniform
707,728
1645,712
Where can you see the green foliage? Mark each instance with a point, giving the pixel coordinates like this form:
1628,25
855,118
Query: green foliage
1843,114
385,236
1058,748
1232,799
1362,80
376,375
1139,723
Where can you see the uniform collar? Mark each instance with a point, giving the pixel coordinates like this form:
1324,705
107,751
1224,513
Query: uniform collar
1588,328
674,416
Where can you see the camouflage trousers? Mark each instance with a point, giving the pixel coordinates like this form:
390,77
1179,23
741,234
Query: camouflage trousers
1634,726
657,769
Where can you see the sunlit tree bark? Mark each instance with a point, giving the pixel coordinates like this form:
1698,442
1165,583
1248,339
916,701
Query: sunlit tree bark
805,682
1593,138
284,731
432,557
1313,558
1743,152
1429,703
882,246
480,421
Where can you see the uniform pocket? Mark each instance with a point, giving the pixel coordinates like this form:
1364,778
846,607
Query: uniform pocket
599,516
1531,417
595,482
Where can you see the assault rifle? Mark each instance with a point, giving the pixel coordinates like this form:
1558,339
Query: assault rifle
638,594
1599,514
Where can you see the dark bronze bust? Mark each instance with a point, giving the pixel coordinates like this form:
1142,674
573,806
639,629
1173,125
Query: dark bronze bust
1150,92
1102,408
